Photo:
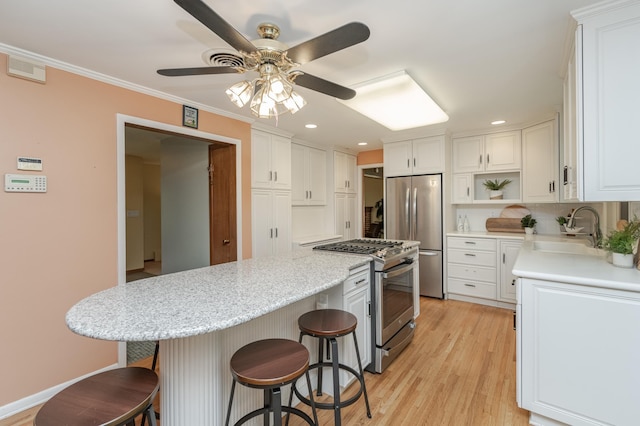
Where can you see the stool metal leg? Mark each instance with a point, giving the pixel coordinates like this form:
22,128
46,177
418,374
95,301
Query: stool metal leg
313,403
275,401
336,381
233,388
320,359
364,387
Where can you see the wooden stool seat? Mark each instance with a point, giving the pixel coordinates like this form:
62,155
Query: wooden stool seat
268,365
111,398
327,322
269,362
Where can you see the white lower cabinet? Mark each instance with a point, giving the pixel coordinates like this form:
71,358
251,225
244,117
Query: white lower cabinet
578,352
508,253
357,300
479,270
472,267
270,222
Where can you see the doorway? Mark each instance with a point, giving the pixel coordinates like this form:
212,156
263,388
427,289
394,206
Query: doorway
373,202
217,203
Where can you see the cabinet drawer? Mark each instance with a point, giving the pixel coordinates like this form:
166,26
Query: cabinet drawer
472,257
474,273
488,244
356,281
472,288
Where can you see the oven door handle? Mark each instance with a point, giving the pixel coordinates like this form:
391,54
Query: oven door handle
394,272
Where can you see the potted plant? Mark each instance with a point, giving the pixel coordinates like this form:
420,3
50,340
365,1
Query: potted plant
528,223
621,243
495,187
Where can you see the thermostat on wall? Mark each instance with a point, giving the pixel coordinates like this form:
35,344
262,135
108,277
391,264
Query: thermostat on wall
25,183
29,163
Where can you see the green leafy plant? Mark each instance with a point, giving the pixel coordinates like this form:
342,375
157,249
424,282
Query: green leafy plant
623,240
496,184
561,220
528,221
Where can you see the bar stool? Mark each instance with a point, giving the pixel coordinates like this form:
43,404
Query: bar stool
327,325
111,398
268,365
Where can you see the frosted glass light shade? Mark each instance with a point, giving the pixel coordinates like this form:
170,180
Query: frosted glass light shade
240,93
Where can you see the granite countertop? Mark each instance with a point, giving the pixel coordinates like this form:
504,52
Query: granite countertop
590,269
207,299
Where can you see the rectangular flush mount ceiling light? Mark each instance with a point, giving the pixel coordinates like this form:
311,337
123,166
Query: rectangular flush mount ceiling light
396,101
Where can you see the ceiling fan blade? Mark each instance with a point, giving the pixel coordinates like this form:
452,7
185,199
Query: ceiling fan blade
177,72
323,86
215,23
338,39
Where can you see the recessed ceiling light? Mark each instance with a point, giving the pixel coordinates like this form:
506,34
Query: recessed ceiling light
498,122
310,126
397,102
362,143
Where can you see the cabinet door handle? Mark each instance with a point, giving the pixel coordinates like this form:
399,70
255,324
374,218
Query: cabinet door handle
487,158
553,184
513,282
470,242
275,174
470,254
467,191
310,195
408,163
270,175
271,233
306,194
414,162
276,232
469,285
504,258
361,281
549,186
369,309
565,173
480,158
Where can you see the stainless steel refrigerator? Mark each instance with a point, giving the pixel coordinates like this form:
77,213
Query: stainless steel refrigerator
414,212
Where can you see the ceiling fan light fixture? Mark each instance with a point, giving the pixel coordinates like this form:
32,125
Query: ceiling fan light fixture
240,93
294,103
397,102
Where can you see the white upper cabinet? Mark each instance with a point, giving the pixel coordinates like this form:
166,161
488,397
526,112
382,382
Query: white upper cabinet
569,164
270,161
415,157
608,117
309,172
486,153
540,163
345,172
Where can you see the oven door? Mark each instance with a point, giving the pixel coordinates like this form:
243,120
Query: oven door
394,295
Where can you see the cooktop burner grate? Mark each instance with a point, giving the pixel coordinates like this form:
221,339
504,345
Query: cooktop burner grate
358,246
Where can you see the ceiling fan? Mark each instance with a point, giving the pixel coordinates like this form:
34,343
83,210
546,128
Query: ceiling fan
277,64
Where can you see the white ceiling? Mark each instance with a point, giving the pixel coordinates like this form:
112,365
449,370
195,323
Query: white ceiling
480,60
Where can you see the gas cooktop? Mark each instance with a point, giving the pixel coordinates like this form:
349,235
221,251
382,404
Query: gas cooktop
360,246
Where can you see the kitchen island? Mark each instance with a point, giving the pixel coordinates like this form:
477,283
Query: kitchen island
578,341
202,316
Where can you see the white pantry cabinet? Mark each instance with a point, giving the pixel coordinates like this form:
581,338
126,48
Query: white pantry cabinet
270,222
577,353
309,176
540,163
345,172
487,153
270,161
508,254
345,210
608,117
415,157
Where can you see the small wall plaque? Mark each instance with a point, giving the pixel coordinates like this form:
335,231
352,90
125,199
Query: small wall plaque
189,116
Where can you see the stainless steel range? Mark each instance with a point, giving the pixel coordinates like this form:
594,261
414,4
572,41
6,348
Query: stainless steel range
395,269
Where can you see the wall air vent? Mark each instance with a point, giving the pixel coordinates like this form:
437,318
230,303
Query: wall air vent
27,69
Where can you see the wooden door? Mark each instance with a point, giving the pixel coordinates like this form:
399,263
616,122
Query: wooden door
222,203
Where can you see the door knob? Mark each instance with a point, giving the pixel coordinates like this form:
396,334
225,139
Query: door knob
225,242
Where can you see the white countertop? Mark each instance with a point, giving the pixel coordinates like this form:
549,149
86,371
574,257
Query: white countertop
213,298
591,270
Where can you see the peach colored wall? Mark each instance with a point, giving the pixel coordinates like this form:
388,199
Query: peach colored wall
59,247
370,157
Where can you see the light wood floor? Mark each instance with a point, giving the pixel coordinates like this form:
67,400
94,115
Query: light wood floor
459,370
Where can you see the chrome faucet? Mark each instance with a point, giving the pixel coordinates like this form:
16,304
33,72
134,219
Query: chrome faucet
596,236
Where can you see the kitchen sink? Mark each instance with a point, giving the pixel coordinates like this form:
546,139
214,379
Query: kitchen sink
565,247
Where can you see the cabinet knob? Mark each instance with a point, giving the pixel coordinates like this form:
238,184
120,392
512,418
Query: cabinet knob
225,242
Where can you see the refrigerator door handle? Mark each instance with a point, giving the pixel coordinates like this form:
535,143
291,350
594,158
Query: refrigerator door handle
428,253
406,205
415,213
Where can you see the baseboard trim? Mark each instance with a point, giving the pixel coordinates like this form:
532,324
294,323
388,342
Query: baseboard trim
30,401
